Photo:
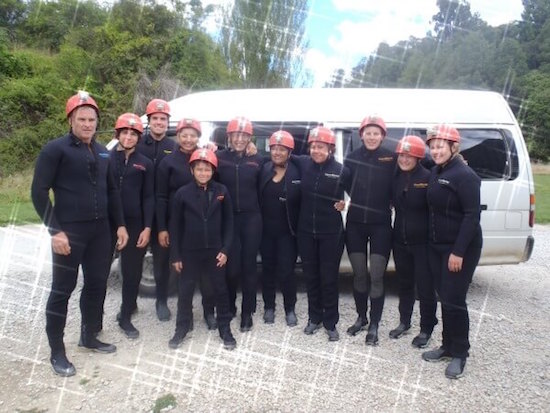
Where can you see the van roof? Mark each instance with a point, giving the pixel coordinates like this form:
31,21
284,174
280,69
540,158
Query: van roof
343,105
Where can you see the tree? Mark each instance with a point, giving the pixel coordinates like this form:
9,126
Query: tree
454,17
47,23
262,41
535,117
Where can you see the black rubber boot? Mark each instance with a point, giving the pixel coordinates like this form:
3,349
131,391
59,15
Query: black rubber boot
359,325
89,340
372,335
401,329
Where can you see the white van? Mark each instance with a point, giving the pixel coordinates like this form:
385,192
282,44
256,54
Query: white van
492,142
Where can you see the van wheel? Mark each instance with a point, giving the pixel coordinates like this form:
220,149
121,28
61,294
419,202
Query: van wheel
147,286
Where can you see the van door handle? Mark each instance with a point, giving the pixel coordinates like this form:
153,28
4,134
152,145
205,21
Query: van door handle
483,207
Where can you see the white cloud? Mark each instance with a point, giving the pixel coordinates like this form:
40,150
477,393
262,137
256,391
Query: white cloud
497,12
367,23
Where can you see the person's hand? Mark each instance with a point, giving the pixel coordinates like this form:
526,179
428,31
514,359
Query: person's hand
122,238
340,205
164,239
212,146
222,259
455,263
60,244
251,149
144,237
178,266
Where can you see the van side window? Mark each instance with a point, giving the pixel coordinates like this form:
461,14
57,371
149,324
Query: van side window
490,153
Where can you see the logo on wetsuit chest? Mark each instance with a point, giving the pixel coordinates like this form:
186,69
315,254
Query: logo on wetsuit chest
332,176
442,181
139,166
104,154
420,185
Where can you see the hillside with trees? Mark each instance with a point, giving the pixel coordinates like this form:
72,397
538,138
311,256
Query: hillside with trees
129,51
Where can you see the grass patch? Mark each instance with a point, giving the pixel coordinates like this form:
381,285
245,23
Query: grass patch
16,207
15,199
542,199
168,401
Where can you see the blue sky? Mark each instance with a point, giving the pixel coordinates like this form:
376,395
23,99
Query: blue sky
340,32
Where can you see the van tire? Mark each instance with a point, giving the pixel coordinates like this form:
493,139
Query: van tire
147,285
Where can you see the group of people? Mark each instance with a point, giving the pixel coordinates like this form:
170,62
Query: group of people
206,213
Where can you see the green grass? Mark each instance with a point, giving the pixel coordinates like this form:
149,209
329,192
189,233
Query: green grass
542,199
167,401
16,207
15,200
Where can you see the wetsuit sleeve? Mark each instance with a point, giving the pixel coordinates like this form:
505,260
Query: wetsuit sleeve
468,194
162,195
116,211
45,172
148,196
176,227
345,182
227,224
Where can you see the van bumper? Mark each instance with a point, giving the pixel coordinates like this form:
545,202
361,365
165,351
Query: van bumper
529,245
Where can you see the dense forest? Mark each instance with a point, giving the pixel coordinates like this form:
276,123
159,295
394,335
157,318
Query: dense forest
128,51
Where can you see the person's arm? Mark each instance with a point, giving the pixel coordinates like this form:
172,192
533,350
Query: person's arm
227,222
45,171
468,192
116,211
162,194
148,205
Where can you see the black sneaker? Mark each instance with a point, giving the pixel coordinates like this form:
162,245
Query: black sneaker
359,325
439,354
269,316
62,366
421,340
163,312
333,335
311,327
229,342
372,335
246,322
92,343
399,330
178,338
131,332
455,369
291,319
211,322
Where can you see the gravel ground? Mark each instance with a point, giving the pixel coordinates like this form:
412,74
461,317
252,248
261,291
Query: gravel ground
274,368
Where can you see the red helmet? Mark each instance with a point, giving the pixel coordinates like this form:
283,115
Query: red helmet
282,138
130,121
443,131
189,123
239,124
411,145
204,154
158,106
82,98
322,134
373,121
